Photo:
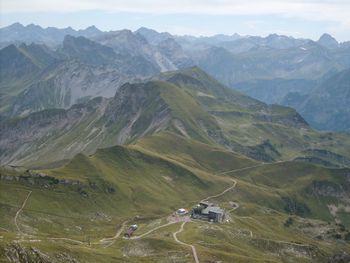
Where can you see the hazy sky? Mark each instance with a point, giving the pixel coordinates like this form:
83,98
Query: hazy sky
308,18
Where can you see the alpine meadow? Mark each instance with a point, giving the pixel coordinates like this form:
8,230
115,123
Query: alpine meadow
194,131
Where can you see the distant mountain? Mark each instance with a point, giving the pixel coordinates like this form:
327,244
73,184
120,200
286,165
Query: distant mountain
19,67
34,77
327,106
50,36
87,51
66,83
328,41
14,63
249,43
152,36
125,42
310,61
166,44
275,91
274,69
173,50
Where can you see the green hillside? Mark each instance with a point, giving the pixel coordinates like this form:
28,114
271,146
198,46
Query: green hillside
71,209
82,175
187,102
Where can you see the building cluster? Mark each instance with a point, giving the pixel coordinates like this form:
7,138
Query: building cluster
208,211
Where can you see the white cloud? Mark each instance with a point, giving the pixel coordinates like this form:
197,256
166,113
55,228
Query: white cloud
223,7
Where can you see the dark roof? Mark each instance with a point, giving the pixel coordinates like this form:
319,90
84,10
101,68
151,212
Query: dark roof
207,203
213,209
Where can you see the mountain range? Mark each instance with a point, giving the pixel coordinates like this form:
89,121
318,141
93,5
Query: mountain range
104,130
271,69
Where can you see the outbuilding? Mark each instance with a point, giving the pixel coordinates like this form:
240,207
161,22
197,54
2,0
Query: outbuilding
181,211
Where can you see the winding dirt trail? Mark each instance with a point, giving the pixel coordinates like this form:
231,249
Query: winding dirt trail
223,192
66,239
254,166
19,211
233,208
113,239
242,169
4,229
152,230
194,252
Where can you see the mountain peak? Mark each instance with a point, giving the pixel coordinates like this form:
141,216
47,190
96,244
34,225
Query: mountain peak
326,36
87,50
92,29
328,41
152,36
145,29
16,26
33,26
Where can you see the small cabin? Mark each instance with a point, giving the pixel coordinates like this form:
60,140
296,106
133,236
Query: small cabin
128,233
181,212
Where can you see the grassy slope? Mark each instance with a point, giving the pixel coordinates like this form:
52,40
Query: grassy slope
193,154
164,171
250,122
198,107
152,178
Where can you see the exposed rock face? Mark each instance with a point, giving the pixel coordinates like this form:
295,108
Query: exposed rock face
80,70
152,36
172,50
326,188
126,43
325,158
34,78
340,192
42,180
15,64
87,51
136,110
67,83
341,257
19,254
33,178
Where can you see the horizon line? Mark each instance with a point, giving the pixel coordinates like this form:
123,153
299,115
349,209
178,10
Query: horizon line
178,35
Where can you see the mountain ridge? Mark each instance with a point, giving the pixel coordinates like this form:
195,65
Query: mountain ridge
196,107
